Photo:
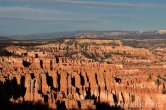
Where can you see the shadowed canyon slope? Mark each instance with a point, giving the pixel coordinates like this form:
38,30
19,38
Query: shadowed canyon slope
83,74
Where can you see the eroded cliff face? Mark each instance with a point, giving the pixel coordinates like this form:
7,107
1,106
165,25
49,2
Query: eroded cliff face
63,76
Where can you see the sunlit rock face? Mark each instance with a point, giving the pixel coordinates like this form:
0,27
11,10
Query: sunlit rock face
84,74
162,31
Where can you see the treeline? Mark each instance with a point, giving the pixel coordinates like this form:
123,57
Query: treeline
153,43
4,52
20,43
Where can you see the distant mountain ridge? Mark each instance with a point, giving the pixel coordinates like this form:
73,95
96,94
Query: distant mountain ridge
5,38
93,35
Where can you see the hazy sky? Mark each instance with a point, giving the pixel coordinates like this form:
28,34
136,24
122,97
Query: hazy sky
40,16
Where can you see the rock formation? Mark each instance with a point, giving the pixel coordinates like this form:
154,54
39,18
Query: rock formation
85,74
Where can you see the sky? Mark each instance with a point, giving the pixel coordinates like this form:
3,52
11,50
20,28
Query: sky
44,16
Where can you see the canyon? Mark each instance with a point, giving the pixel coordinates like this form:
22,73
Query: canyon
84,74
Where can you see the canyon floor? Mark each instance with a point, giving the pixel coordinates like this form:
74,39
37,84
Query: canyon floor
83,74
